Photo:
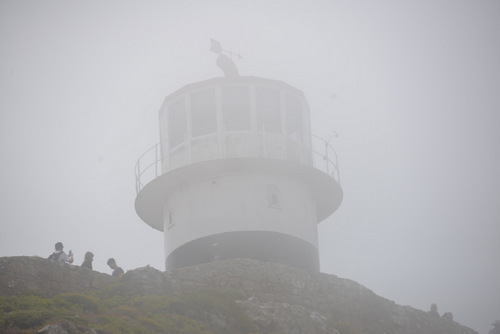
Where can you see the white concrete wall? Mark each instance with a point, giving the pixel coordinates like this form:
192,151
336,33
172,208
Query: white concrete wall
239,202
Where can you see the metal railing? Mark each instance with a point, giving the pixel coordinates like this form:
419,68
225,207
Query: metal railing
320,155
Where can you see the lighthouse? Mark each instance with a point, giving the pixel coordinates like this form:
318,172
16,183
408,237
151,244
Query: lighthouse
237,174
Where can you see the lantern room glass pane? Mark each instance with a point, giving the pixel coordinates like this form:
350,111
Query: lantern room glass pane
267,105
177,124
293,107
203,112
236,108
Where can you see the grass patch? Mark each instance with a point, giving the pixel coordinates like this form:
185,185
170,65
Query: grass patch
116,309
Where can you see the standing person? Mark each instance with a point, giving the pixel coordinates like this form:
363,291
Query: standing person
87,263
434,310
496,329
117,271
59,254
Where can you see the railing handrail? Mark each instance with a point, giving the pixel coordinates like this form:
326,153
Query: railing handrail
328,156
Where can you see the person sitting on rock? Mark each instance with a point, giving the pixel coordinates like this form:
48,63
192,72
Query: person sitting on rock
87,262
117,271
59,254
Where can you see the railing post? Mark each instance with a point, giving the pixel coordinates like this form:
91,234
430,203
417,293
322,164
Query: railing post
156,160
187,149
222,142
264,143
138,176
166,151
326,158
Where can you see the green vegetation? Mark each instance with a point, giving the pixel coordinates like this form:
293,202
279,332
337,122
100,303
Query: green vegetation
119,309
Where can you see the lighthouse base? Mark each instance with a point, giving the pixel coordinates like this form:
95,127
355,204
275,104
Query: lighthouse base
258,245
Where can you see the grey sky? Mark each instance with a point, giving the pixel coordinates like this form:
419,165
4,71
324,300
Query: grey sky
412,89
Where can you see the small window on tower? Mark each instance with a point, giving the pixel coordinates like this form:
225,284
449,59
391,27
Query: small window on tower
273,197
170,222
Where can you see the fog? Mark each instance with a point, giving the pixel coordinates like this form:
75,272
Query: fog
411,89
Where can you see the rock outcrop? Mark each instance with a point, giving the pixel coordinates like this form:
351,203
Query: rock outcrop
21,273
345,303
277,298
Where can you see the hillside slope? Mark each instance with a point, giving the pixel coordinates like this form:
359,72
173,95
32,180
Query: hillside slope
234,296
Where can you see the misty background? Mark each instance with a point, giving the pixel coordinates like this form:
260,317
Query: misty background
411,88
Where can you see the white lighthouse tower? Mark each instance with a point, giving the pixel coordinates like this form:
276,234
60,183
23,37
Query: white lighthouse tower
237,174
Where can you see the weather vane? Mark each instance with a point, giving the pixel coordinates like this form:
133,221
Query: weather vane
225,63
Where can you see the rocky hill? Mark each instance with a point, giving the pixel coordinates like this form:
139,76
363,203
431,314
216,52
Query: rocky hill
234,296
